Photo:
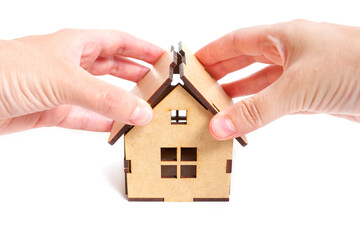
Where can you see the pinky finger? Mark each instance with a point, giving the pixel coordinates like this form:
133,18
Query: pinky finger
65,116
254,83
82,119
118,67
348,117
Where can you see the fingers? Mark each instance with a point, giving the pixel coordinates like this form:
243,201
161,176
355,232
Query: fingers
111,43
73,117
65,116
221,69
348,117
250,114
118,67
254,83
105,99
82,119
263,42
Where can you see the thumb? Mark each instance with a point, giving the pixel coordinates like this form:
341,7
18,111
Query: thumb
249,114
108,100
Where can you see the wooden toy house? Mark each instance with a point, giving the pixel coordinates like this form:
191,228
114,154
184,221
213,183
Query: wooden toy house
174,157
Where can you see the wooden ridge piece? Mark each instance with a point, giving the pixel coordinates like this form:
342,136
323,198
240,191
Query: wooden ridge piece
152,88
199,82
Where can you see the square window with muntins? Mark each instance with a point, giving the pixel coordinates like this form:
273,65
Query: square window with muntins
188,154
188,171
178,117
168,171
168,154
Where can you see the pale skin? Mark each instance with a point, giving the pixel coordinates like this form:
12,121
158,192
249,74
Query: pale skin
50,80
313,68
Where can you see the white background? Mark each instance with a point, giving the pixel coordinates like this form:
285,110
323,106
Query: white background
299,177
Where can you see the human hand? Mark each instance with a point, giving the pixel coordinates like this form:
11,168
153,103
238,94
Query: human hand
49,80
314,68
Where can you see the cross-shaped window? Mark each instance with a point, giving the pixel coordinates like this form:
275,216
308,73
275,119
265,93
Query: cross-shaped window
178,116
172,168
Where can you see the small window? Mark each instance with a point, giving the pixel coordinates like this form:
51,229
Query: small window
168,154
178,116
188,154
168,171
188,171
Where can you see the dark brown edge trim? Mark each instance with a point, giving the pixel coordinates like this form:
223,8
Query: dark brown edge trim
242,141
146,199
182,52
120,133
228,166
161,93
125,173
126,185
127,166
211,199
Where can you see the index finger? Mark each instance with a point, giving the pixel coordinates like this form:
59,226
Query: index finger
254,41
111,43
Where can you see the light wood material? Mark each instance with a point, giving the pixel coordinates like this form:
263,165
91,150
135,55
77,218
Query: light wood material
143,144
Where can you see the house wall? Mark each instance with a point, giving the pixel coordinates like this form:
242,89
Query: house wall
143,144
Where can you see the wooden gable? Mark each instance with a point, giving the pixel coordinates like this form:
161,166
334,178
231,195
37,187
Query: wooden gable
144,147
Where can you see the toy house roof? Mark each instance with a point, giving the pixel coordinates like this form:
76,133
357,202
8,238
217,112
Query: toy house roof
157,84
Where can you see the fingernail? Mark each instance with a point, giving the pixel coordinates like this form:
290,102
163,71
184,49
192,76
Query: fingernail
142,114
222,127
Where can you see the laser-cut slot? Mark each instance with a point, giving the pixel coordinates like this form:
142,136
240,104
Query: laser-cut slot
168,154
188,154
168,171
188,171
228,166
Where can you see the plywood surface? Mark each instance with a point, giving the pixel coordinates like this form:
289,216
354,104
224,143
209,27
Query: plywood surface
143,143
